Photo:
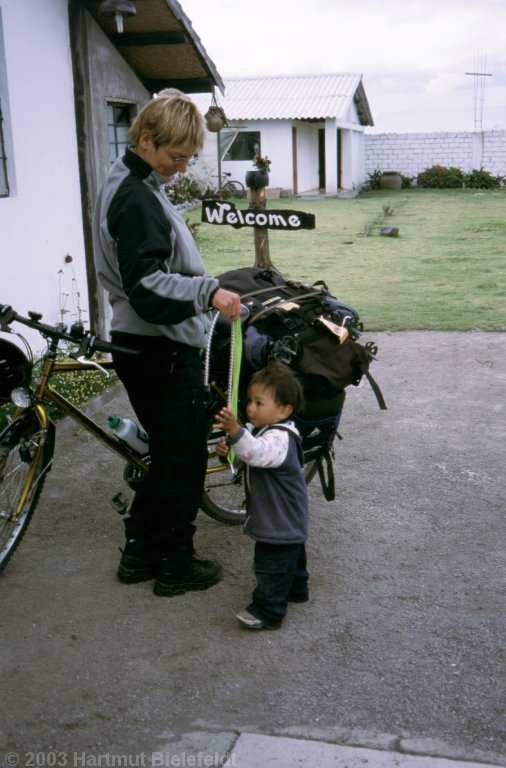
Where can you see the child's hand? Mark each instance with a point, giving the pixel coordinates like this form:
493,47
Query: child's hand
226,420
222,447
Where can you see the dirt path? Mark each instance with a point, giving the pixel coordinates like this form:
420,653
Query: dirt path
404,634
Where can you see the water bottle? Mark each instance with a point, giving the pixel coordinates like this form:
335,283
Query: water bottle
130,433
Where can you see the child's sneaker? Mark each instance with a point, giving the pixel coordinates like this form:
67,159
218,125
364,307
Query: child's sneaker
250,621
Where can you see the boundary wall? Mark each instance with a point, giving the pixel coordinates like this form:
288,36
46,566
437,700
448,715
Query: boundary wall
411,153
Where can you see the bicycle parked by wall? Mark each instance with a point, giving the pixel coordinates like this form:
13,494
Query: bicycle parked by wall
229,187
28,441
209,184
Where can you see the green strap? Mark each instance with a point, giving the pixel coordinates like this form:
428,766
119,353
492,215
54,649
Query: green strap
235,372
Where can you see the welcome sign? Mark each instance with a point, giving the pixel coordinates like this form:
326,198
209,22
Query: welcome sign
221,212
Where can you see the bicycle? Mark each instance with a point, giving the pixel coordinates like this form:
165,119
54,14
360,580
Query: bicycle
229,188
28,441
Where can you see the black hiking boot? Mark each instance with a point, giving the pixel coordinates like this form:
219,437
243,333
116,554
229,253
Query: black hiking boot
138,562
175,577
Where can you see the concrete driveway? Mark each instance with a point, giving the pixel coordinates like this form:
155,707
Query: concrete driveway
400,648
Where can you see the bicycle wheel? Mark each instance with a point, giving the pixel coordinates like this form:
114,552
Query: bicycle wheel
236,188
26,452
224,493
224,496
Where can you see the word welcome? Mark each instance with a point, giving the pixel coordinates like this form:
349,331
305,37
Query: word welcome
219,212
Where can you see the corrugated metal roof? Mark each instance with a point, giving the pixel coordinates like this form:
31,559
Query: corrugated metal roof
295,97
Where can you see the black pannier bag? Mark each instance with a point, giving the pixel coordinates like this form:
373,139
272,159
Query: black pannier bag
307,328
310,330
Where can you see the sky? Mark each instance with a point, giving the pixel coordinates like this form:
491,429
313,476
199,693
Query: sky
413,55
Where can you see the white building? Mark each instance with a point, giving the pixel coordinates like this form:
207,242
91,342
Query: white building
310,126
70,83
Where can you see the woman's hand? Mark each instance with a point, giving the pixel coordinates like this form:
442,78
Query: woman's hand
227,303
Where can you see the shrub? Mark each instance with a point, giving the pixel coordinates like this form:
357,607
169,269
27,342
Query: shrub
183,190
407,181
439,177
374,179
482,180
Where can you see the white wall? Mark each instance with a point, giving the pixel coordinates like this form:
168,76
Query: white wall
411,153
41,220
276,143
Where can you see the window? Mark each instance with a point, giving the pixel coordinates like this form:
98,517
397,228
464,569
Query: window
4,183
245,146
119,117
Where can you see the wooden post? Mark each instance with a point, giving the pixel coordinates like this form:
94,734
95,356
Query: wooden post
261,234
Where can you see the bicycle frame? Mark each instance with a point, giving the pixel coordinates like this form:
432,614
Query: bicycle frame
224,494
44,391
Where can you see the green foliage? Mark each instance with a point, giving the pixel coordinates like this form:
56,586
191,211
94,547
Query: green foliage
439,177
407,181
77,386
183,190
374,179
375,176
482,180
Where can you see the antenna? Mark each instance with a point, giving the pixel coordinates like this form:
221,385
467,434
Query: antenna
479,74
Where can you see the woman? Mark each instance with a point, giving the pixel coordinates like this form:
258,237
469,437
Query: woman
160,296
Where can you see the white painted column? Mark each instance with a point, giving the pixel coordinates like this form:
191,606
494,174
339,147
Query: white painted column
477,151
331,156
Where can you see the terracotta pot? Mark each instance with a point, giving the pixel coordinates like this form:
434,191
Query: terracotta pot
390,180
215,119
257,179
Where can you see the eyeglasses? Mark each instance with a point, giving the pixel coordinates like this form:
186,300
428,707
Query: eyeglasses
187,160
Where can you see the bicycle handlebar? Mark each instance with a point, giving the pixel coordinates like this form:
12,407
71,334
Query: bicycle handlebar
87,341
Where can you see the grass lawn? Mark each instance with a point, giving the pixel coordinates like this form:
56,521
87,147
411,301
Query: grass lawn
445,270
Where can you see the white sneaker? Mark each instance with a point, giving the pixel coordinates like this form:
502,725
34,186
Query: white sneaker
249,620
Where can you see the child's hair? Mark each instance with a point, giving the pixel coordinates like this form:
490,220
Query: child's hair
281,381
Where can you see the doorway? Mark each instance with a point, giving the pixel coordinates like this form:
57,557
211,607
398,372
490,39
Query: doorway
321,160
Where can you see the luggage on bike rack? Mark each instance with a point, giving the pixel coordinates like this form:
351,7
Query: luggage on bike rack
307,328
317,335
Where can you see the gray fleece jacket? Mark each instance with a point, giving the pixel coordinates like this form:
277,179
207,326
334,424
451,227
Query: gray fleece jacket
146,257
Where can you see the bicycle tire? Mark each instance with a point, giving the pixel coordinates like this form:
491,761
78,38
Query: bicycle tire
224,496
26,452
236,188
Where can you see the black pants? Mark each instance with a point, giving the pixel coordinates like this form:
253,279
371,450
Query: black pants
165,387
282,576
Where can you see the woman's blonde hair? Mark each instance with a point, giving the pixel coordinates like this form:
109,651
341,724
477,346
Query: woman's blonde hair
172,118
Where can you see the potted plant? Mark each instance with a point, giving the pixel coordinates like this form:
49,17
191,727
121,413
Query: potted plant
390,180
260,176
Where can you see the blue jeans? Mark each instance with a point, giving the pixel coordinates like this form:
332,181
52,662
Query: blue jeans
282,577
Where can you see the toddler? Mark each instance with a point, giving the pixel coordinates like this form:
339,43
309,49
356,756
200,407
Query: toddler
277,501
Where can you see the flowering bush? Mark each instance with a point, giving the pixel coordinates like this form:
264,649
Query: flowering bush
439,177
183,190
262,163
482,180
